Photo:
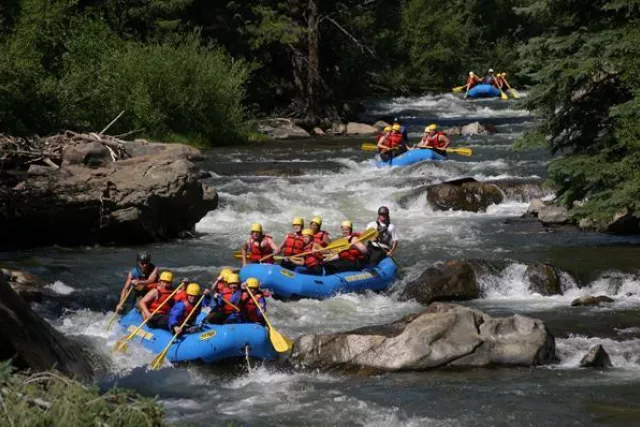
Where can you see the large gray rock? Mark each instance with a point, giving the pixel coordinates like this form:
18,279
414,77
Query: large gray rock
156,194
524,190
444,335
591,300
282,128
468,195
552,215
33,343
448,281
597,357
354,128
28,286
623,222
543,279
477,128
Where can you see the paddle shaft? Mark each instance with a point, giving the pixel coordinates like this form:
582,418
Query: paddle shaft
287,341
512,90
502,94
157,361
342,246
121,302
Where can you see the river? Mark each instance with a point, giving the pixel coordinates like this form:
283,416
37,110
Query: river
333,178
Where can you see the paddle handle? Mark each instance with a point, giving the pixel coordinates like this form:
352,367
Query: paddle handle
132,334
122,301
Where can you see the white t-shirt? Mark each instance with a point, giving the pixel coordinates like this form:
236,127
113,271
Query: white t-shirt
391,228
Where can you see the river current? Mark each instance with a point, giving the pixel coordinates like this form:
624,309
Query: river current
333,178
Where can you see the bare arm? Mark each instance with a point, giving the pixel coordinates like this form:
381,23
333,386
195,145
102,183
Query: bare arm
144,302
446,141
244,253
125,289
394,246
153,277
273,246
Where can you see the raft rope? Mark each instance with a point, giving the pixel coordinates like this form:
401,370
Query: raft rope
246,356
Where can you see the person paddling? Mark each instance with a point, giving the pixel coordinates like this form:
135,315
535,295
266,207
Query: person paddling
183,308
403,130
158,298
472,80
319,236
140,277
386,243
225,304
437,141
394,145
250,311
311,263
490,78
258,246
293,243
350,259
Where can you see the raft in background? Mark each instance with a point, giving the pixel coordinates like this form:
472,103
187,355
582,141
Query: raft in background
411,157
287,284
210,344
483,91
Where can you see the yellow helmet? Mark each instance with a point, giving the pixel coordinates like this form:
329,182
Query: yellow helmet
387,129
347,223
166,276
233,278
396,126
317,220
256,227
298,221
430,128
193,289
252,283
225,272
307,232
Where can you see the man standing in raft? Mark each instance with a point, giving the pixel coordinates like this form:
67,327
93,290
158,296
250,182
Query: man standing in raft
386,243
258,246
437,141
140,277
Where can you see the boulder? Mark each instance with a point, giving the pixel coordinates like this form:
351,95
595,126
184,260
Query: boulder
553,215
318,131
28,286
597,357
623,222
447,281
381,124
468,195
337,129
32,343
477,128
455,131
591,300
523,190
155,193
534,208
543,279
354,128
281,128
443,335
91,154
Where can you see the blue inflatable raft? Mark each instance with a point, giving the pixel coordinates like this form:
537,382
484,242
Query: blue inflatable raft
210,344
483,91
411,157
287,284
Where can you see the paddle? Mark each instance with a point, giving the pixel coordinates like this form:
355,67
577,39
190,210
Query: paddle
121,345
511,90
280,343
157,361
459,88
463,151
467,91
113,318
503,95
368,234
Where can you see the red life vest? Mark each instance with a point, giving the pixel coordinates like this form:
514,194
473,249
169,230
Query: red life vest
220,286
293,244
257,251
319,238
394,140
472,81
226,294
163,295
312,260
249,307
434,140
352,254
188,308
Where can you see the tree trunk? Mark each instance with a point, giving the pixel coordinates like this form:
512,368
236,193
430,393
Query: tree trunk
313,63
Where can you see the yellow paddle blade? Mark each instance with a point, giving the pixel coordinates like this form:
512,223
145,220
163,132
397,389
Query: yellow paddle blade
515,94
237,254
369,147
458,89
121,346
463,151
503,95
280,343
158,361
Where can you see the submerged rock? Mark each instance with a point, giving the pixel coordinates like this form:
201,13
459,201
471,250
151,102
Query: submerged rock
354,128
591,300
33,343
281,128
449,281
463,195
475,128
28,286
154,193
543,279
444,335
523,190
597,357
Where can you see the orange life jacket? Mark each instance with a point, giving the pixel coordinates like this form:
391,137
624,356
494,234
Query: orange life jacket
352,254
312,260
434,140
249,307
220,286
163,295
319,238
257,251
293,244
394,140
226,294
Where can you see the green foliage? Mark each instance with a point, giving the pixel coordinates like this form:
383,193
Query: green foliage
586,65
50,399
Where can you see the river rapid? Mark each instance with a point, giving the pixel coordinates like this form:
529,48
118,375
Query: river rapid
333,178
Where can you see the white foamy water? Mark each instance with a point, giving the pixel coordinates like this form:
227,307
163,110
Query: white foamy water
60,288
623,354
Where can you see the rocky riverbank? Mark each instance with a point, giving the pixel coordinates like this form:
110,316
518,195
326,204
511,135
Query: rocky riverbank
72,189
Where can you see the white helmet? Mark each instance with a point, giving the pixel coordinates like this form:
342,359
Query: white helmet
471,73
491,70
